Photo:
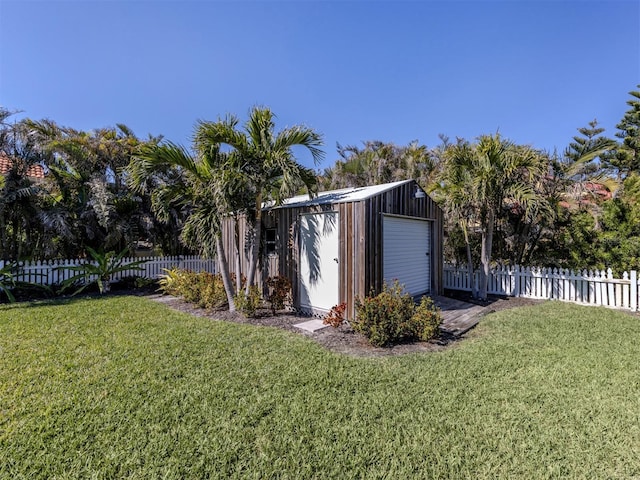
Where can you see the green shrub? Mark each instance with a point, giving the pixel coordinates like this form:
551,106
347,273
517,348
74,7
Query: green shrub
170,281
279,292
142,282
248,304
131,282
9,285
212,293
203,289
392,316
99,270
190,286
425,321
243,279
382,318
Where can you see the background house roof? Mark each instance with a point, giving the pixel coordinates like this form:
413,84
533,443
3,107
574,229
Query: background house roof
6,164
340,196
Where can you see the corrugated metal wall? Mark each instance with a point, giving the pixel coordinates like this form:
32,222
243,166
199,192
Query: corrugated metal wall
401,201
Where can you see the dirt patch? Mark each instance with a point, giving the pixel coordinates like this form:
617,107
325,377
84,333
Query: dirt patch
341,340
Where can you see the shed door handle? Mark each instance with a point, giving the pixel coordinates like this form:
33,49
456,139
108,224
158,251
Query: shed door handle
335,260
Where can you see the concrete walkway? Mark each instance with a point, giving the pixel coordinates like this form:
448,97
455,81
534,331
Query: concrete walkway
458,317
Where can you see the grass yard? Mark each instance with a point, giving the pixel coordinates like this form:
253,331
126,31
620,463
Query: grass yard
122,387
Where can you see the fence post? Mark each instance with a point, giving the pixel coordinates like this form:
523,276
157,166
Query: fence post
611,300
634,291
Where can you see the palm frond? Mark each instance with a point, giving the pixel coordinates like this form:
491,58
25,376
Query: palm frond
300,136
151,159
260,127
224,132
200,231
125,130
578,167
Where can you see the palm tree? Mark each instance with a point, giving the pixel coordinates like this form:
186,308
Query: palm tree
198,185
88,203
379,162
454,192
21,192
264,162
486,176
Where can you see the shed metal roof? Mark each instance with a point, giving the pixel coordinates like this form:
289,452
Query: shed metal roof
342,195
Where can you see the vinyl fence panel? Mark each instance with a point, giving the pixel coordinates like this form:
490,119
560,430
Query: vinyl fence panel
598,288
54,272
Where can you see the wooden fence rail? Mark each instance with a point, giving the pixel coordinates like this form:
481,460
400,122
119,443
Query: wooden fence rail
53,272
592,287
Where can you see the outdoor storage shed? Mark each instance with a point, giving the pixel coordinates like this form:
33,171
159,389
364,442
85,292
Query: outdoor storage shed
344,244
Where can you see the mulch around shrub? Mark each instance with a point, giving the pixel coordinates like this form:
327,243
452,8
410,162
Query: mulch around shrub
340,340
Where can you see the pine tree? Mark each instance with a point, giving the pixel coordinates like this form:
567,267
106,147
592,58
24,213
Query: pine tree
590,140
627,157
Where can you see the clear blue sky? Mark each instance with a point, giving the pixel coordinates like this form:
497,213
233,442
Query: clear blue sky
354,71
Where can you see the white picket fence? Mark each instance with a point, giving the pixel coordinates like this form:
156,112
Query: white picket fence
593,287
52,272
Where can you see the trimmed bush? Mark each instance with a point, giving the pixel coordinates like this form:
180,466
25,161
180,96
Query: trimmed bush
248,304
212,294
381,318
203,289
425,321
392,316
279,292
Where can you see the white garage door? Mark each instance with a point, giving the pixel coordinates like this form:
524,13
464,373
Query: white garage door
407,253
319,256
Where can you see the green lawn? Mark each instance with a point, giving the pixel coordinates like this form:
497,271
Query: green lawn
125,388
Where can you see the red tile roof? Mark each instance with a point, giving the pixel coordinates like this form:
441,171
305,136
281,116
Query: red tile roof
34,171
598,189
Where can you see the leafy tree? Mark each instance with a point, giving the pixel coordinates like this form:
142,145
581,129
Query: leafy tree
582,158
590,139
525,231
611,240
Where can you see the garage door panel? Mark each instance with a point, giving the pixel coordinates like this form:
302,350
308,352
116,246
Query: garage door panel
406,249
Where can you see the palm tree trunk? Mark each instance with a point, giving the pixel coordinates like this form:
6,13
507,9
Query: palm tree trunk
255,245
236,226
534,243
485,255
3,238
224,271
17,244
472,280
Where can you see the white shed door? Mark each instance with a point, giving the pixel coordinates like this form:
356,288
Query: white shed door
319,257
407,253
